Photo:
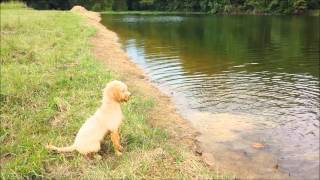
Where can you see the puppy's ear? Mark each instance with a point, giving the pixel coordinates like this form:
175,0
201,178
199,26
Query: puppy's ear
112,92
116,94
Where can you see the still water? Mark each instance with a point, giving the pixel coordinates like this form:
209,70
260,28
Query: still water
239,80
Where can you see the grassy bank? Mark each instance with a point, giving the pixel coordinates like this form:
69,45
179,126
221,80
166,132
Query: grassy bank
50,83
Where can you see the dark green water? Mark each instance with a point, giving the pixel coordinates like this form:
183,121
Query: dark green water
264,67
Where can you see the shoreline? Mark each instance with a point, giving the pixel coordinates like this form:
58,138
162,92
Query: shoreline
52,85
107,49
309,13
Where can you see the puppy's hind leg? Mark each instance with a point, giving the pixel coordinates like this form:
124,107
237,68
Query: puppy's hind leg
115,138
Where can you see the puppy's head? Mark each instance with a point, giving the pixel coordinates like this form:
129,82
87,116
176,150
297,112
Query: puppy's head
116,91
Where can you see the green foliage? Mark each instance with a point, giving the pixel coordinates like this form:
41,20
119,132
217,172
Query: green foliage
119,5
313,4
299,6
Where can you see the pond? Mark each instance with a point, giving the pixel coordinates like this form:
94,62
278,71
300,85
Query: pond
249,84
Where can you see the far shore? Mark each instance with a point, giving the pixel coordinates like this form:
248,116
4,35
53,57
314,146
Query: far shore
308,13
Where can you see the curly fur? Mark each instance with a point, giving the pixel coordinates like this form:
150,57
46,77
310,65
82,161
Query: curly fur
106,119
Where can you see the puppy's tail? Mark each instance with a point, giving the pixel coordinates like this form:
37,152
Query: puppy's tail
61,149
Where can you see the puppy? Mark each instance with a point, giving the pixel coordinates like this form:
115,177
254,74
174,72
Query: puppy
106,119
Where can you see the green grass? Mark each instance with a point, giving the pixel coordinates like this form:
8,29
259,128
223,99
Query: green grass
50,84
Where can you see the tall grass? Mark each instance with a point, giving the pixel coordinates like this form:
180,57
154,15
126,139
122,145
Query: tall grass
50,83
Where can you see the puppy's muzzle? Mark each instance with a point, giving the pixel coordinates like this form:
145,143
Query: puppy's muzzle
127,97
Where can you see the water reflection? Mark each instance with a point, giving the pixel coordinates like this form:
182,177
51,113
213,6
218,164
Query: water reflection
263,67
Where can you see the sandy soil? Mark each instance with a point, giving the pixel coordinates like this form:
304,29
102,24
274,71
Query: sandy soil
107,49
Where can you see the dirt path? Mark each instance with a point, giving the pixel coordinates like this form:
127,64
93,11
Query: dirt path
107,49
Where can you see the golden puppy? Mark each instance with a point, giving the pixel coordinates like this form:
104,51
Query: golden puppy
106,119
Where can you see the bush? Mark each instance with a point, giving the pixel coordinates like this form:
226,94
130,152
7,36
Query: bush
299,6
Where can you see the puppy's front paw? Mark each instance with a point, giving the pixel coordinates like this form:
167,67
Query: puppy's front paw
97,157
48,146
118,153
